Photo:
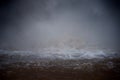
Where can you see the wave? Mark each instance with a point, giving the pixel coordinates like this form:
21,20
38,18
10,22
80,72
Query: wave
65,53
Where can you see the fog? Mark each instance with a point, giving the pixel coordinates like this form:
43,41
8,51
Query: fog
36,24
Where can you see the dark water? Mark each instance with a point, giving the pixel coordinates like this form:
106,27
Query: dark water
34,67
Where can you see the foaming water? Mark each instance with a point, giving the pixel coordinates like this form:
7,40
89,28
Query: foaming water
65,57
65,53
73,53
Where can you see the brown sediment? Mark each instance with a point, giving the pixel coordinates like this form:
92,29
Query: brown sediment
82,71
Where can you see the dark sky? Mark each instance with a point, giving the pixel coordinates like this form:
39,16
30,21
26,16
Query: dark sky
27,24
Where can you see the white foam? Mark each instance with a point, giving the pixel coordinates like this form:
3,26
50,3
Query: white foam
63,53
72,53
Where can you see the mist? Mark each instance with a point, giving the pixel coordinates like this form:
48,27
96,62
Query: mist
36,24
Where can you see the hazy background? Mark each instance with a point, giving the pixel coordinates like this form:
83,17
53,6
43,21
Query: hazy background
35,24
